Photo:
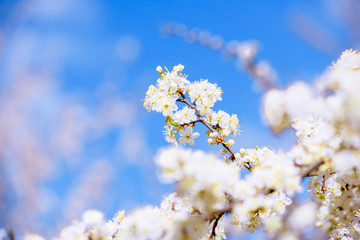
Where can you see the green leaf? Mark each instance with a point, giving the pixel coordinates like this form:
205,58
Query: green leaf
175,124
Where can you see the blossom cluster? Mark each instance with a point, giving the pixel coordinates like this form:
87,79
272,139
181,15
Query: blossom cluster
326,118
171,88
210,193
200,199
250,198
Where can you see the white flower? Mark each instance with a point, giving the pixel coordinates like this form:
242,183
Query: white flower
282,202
205,93
341,233
204,188
170,160
151,97
93,217
75,231
346,160
233,126
332,186
104,232
144,223
230,142
222,118
169,135
178,68
275,110
349,59
159,70
220,233
166,105
187,135
168,83
175,203
185,115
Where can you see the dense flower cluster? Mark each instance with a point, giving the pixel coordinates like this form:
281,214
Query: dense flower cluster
201,198
326,118
171,88
252,187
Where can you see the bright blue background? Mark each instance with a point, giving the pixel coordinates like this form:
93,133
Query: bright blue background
90,30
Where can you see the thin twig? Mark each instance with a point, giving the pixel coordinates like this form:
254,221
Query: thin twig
190,123
201,119
219,213
312,168
217,219
267,81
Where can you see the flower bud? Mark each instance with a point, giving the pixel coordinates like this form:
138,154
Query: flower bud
230,142
225,133
168,121
223,151
243,151
214,135
159,70
195,135
178,68
237,156
211,141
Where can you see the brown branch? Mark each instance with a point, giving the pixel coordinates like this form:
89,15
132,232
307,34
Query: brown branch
190,123
217,219
250,65
312,168
226,209
217,216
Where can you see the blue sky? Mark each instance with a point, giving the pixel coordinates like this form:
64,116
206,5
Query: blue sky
98,50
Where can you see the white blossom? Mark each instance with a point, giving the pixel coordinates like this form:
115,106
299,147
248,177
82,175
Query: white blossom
187,135
185,115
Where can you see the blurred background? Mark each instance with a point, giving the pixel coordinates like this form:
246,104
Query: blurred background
73,73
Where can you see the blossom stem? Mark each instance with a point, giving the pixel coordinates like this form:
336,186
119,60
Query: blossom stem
217,219
190,123
312,168
201,119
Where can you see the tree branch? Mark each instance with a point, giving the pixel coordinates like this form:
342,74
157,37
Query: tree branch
190,123
217,219
201,119
312,168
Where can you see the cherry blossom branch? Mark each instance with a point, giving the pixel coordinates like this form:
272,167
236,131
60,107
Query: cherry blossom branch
244,51
218,215
228,208
202,120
